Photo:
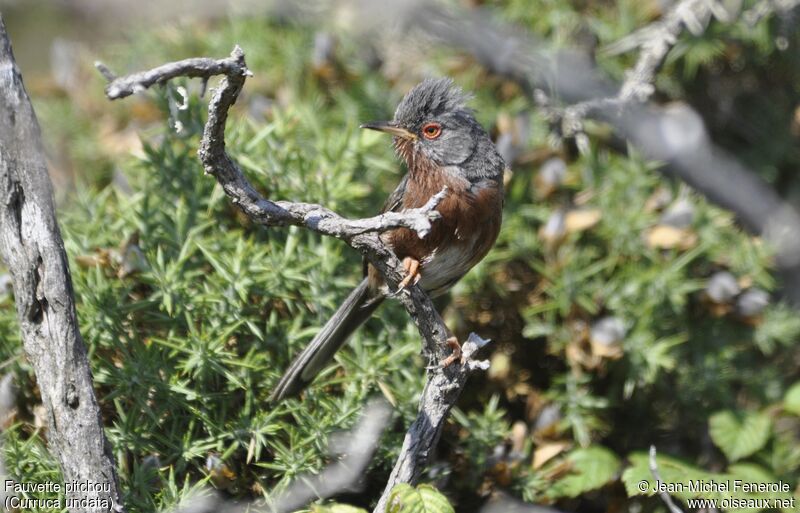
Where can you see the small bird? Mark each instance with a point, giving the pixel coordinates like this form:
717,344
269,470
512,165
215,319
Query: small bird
443,146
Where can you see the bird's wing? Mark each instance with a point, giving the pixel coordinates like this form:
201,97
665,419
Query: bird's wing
392,204
395,199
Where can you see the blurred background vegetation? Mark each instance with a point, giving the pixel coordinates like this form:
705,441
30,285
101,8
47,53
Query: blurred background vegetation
625,309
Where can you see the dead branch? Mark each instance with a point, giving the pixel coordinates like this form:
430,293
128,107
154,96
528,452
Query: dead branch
218,163
654,43
444,385
423,435
653,465
32,248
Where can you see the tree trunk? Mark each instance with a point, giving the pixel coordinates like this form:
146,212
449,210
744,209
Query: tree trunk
32,248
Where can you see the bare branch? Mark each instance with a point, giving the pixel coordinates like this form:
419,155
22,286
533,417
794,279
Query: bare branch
444,385
438,397
764,8
218,163
654,43
199,67
653,464
657,39
32,248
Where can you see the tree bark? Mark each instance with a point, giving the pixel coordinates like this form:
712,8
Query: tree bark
32,248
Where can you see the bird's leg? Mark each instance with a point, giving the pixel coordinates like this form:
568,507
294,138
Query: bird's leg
411,266
452,342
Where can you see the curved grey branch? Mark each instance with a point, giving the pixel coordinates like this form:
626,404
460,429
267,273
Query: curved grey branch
444,385
32,248
219,164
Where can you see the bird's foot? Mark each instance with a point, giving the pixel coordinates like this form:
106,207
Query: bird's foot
411,266
457,354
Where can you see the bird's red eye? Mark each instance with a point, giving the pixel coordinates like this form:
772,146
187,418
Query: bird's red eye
431,130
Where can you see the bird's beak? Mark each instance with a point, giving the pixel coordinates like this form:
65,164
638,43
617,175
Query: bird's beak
390,128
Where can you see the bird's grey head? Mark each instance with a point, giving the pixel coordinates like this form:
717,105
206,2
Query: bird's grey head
432,121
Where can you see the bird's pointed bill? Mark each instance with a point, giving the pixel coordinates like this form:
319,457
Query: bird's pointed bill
389,128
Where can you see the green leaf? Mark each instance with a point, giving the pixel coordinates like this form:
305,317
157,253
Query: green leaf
751,473
672,470
591,468
685,481
739,435
791,401
422,499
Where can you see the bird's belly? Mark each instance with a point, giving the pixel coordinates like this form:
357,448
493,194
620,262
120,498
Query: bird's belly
443,267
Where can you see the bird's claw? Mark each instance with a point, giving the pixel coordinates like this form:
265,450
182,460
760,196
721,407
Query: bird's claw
411,266
457,354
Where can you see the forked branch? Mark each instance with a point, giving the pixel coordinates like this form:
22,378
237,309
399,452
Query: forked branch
444,385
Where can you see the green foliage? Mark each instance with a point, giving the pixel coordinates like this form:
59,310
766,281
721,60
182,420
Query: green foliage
791,402
481,432
685,481
28,456
739,436
589,469
422,499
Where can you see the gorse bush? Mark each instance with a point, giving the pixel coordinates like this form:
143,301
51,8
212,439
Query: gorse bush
625,309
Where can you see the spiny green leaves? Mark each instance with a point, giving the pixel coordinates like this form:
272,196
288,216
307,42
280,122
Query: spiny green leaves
422,499
739,434
187,346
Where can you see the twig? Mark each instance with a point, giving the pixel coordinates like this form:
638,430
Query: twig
199,67
764,8
657,39
32,248
444,384
657,476
654,42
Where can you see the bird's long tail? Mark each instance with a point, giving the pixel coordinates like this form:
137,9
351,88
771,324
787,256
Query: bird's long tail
353,312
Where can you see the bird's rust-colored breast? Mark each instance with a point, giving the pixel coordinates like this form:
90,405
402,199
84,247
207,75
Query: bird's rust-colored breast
470,223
